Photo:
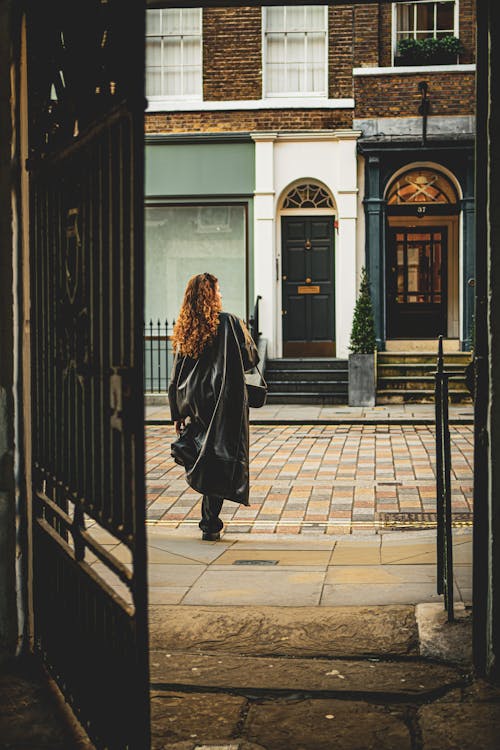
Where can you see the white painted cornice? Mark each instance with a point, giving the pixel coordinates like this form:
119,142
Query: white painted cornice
413,69
196,105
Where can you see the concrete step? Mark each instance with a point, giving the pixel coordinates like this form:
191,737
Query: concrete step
321,399
331,376
307,386
420,358
417,370
306,363
419,396
456,383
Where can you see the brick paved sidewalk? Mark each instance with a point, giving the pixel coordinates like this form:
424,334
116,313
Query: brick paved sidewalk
318,479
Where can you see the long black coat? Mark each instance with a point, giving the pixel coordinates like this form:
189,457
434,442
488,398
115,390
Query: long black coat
211,391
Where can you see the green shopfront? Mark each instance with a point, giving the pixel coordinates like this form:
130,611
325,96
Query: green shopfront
198,218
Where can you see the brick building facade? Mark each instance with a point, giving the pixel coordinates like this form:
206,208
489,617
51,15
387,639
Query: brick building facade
311,147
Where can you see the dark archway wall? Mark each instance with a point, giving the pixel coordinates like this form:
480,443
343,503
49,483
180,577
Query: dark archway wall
381,162
486,573
8,179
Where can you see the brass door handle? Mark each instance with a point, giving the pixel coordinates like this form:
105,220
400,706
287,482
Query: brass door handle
307,245
308,280
284,277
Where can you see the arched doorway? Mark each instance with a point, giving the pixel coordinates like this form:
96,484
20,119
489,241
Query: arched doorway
308,271
422,265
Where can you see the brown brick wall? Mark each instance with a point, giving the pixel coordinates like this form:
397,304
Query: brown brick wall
245,121
466,31
398,96
366,20
385,35
232,53
340,52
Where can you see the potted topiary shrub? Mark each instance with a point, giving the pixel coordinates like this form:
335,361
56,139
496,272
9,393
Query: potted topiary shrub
362,383
443,50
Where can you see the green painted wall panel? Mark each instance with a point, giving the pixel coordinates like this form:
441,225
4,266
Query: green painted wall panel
180,169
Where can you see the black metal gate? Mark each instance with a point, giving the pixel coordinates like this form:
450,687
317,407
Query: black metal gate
86,105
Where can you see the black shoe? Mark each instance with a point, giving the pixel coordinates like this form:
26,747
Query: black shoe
210,536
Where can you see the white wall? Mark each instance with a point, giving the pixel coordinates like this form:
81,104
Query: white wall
280,160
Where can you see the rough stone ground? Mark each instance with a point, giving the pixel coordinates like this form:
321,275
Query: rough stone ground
379,695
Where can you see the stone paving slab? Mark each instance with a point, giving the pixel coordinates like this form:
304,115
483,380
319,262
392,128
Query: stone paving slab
318,479
401,679
327,724
449,726
302,413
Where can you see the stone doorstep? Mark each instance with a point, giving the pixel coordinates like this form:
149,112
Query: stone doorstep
327,632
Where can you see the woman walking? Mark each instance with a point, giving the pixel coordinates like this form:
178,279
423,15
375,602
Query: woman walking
208,399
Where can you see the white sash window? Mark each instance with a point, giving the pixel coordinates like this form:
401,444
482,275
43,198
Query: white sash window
174,53
295,49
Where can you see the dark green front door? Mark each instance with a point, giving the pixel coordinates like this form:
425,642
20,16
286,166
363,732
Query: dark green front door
308,286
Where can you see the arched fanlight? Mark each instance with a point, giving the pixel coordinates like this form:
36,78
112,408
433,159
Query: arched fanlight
421,186
308,195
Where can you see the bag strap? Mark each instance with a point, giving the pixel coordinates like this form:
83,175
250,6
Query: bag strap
261,375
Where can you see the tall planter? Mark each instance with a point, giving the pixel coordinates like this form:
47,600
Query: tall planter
362,379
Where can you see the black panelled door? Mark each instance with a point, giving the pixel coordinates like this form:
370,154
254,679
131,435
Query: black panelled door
416,282
308,286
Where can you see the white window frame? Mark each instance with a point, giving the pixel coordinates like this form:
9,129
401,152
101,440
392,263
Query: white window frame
292,94
179,97
419,2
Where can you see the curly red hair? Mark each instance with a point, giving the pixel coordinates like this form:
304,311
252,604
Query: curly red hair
198,319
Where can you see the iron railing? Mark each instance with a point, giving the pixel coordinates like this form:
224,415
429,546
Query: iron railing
253,323
158,356
443,487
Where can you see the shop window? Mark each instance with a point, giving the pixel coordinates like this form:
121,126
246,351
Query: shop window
182,241
295,50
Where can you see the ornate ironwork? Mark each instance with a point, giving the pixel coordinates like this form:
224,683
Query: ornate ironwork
308,195
86,189
421,186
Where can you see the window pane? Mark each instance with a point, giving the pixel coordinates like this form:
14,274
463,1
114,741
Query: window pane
172,82
153,22
153,51
276,49
276,79
153,82
295,18
171,51
191,18
315,18
191,81
445,16
191,51
172,21
404,17
318,80
425,16
182,241
316,47
293,78
295,48
275,19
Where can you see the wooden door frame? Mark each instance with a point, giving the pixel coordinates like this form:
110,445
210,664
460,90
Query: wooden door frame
452,224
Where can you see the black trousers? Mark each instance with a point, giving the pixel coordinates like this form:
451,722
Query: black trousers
210,509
